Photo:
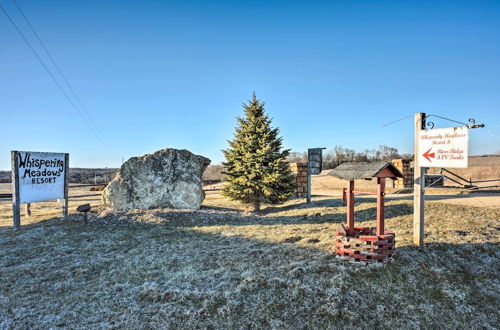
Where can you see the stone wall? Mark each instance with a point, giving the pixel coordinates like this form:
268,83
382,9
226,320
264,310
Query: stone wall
300,170
434,180
405,166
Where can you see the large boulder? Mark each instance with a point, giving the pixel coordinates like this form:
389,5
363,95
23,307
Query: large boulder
168,178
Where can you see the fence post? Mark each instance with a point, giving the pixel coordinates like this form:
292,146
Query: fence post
16,207
308,198
350,207
28,209
380,206
66,179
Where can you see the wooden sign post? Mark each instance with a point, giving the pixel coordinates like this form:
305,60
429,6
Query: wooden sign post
37,177
441,147
16,205
66,180
418,185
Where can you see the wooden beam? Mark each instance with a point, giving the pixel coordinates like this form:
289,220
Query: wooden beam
350,207
16,205
380,206
308,194
28,209
361,192
66,180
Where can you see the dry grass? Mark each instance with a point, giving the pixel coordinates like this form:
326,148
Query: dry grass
224,267
480,168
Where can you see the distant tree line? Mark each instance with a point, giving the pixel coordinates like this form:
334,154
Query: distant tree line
338,155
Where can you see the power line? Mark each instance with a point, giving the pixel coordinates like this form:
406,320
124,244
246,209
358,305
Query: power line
59,70
395,121
54,79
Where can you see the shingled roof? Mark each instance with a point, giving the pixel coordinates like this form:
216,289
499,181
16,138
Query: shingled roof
356,171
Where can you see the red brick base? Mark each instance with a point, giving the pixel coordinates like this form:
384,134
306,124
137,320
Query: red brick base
365,246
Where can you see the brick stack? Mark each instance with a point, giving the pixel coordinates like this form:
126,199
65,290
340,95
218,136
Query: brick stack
300,170
365,246
434,180
406,168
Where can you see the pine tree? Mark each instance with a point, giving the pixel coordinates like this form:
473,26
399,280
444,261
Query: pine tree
256,170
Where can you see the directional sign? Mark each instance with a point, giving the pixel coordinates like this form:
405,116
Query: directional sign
444,147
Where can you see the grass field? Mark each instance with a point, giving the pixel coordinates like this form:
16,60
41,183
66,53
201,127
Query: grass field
224,267
480,168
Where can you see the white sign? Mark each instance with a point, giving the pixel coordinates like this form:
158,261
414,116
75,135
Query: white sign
444,147
41,175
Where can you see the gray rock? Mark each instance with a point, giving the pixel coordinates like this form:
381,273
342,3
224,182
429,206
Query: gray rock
168,178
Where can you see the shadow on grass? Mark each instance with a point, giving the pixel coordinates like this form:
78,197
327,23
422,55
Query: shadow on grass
253,280
333,202
220,216
330,202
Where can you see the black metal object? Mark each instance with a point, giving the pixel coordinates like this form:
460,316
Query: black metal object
471,124
451,179
85,208
456,175
466,183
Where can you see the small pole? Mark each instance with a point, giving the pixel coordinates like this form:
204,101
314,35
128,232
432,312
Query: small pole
308,181
28,209
380,206
313,155
16,207
418,185
350,207
66,179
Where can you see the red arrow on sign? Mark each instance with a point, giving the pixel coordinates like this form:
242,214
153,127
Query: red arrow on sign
428,155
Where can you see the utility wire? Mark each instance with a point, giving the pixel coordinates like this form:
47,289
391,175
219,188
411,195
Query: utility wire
395,121
54,79
60,71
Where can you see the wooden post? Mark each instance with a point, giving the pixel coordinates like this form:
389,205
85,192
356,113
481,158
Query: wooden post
66,179
313,155
16,206
308,181
418,185
350,207
380,206
28,209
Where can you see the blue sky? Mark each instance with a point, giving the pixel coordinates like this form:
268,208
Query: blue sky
174,74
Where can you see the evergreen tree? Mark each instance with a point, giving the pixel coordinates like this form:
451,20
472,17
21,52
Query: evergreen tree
256,170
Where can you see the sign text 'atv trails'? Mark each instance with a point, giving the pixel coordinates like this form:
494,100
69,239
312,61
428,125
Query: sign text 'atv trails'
444,147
